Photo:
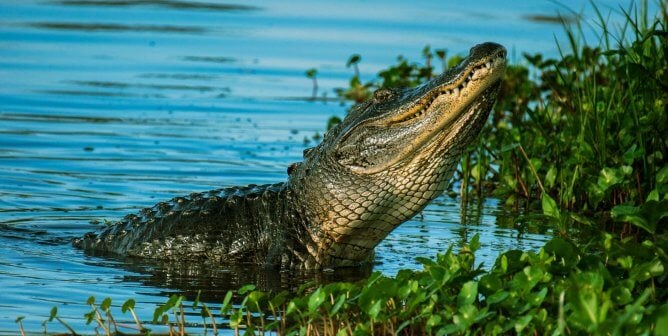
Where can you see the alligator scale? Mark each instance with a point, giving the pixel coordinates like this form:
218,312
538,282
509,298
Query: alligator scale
379,167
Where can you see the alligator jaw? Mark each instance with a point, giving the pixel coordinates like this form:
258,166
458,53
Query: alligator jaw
457,92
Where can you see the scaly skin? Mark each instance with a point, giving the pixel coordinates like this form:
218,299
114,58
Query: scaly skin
379,167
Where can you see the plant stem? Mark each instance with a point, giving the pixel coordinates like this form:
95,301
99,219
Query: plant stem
533,170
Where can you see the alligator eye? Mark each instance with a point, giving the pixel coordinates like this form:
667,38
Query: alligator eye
292,167
383,95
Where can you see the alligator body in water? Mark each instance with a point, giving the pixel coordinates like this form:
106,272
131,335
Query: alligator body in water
387,159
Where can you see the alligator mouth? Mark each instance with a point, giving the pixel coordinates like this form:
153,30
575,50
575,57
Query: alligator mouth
450,111
489,70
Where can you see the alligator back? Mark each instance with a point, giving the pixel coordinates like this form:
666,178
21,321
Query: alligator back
231,225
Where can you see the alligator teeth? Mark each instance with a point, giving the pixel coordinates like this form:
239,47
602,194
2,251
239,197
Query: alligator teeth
482,68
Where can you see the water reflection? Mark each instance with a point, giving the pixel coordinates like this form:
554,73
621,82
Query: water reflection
157,87
177,76
214,281
209,59
168,4
116,27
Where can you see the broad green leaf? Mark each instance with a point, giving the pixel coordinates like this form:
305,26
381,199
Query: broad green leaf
316,299
522,322
566,255
279,299
292,308
536,299
466,316
609,177
53,313
645,217
106,304
374,309
497,297
354,59
225,306
662,175
337,305
621,295
662,321
245,289
551,177
434,320
653,196
474,244
550,207
647,270
127,305
489,284
467,294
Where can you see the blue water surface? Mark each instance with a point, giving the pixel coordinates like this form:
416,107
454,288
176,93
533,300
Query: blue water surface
110,106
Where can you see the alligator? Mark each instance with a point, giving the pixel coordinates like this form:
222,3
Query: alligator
380,166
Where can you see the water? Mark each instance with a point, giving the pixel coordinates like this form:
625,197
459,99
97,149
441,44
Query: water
107,107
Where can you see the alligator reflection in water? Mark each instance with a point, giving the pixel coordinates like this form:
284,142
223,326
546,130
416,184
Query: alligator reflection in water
188,277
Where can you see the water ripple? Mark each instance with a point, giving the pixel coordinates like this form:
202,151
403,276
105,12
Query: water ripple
170,4
117,27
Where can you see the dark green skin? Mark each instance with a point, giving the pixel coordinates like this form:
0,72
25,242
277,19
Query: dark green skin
381,166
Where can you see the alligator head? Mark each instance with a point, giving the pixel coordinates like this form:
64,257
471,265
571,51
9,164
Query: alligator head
390,157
